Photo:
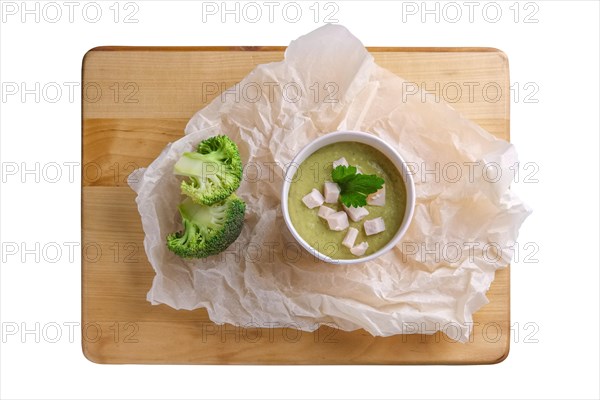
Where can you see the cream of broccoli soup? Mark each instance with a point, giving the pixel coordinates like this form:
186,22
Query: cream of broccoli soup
318,214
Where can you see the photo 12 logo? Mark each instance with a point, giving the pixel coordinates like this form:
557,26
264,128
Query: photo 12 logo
71,92
469,92
271,92
269,11
68,252
53,12
470,11
123,332
269,332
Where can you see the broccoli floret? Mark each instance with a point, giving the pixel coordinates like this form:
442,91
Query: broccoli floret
207,230
214,171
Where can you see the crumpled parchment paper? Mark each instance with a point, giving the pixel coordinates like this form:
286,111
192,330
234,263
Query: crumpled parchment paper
461,233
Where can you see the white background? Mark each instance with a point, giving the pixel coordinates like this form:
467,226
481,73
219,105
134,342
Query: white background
558,294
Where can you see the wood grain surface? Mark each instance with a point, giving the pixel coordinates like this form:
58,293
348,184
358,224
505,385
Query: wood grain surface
135,101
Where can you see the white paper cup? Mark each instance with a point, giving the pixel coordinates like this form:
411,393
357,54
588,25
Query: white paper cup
359,137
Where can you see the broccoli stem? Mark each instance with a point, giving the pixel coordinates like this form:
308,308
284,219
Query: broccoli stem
205,217
196,165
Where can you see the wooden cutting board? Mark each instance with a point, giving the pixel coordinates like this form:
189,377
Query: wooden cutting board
135,101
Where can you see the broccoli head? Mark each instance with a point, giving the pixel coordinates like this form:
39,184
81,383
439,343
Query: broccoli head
214,170
207,230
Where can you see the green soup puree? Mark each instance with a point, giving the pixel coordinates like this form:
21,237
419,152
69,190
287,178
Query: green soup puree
313,173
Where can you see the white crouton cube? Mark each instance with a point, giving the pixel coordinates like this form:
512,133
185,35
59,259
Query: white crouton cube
356,213
350,238
377,198
374,226
338,221
341,161
332,192
325,211
360,249
313,199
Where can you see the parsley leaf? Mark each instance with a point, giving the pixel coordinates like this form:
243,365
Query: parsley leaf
355,187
